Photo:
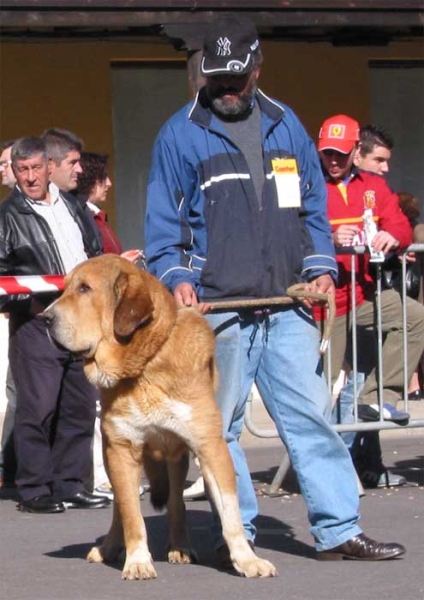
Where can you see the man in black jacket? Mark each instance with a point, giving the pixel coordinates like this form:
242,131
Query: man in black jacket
45,231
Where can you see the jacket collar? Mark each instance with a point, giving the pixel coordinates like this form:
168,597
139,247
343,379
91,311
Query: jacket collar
24,207
201,114
354,173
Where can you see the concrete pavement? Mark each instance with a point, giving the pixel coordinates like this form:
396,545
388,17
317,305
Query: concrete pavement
42,557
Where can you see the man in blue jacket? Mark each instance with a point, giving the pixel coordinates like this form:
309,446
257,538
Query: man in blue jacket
236,210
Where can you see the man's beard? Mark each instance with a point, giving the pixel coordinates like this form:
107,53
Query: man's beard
230,109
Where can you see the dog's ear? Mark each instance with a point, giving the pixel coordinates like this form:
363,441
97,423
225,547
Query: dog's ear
134,306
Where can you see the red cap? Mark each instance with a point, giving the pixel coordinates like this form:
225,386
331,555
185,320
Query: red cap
338,133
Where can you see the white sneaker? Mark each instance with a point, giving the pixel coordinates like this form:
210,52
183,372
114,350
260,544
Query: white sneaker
196,491
106,490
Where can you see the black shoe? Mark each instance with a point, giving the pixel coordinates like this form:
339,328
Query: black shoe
85,500
371,412
415,395
378,479
362,547
41,504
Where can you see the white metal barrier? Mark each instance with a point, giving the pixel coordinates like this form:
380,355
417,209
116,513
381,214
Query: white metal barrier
39,284
356,425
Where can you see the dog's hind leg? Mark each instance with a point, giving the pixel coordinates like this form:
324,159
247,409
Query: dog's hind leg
156,471
179,548
113,544
218,471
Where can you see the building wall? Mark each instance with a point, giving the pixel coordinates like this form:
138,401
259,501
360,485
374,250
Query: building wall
67,84
318,80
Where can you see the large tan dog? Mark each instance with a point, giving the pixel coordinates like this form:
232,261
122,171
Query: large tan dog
154,365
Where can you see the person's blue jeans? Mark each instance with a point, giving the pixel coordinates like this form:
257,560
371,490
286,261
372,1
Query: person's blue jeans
280,352
343,409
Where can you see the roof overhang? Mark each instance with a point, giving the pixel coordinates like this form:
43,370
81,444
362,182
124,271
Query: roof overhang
341,22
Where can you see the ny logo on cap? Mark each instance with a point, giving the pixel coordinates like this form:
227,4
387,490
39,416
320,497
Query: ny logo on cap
223,47
336,131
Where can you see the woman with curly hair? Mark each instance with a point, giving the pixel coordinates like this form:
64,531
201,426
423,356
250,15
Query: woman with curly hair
93,186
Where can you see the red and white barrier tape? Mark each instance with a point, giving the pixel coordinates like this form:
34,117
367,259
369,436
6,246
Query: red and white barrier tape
31,284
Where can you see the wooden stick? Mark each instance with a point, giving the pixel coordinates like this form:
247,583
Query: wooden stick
295,294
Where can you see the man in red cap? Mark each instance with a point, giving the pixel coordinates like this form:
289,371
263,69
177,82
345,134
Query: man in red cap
358,202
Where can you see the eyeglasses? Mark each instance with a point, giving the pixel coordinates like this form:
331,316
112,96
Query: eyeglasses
5,163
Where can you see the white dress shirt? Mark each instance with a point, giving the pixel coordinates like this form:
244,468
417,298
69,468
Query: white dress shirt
65,230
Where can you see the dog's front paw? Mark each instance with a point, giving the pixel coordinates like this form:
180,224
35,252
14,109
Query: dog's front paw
134,571
182,556
256,567
139,565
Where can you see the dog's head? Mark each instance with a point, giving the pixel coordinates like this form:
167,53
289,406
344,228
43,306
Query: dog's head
113,314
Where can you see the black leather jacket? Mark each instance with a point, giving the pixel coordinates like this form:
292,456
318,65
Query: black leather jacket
27,245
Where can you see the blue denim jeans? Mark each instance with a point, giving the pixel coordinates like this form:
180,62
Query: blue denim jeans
343,408
280,352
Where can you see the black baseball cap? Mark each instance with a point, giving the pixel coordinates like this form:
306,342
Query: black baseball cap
229,46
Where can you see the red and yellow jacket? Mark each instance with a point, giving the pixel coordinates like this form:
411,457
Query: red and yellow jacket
346,207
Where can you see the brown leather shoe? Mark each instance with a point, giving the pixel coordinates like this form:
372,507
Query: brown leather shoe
362,547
